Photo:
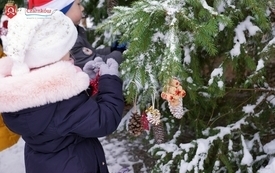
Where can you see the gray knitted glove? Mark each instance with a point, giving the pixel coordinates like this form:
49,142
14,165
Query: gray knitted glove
92,67
111,67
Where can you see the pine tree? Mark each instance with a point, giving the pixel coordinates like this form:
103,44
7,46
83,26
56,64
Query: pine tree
219,50
96,11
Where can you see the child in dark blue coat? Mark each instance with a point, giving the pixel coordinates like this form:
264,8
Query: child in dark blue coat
82,51
43,97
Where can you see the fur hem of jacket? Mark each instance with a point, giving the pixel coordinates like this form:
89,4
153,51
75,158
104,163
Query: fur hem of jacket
49,84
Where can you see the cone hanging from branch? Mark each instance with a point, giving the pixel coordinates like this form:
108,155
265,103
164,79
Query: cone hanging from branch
174,93
158,131
134,125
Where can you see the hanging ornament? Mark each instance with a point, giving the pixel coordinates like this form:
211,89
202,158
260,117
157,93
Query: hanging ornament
158,131
177,111
144,121
135,126
153,115
174,93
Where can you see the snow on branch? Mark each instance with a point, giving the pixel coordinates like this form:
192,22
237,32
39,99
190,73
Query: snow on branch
239,38
210,9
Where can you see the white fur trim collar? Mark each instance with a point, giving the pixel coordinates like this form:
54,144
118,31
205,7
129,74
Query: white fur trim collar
45,85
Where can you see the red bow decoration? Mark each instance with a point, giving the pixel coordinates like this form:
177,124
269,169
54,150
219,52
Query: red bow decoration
94,85
144,121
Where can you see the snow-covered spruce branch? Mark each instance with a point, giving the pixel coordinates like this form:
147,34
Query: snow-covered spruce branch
202,146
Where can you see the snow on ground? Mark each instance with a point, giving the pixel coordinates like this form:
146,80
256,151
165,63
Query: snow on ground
12,159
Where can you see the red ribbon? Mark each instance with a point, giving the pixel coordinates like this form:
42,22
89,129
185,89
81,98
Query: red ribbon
94,85
144,121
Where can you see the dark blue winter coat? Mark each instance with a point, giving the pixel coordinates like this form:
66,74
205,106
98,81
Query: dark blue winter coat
59,121
83,51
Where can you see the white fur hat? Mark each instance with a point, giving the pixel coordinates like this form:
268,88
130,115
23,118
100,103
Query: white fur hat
36,40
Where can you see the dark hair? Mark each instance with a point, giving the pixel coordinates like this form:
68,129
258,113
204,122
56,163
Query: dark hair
1,42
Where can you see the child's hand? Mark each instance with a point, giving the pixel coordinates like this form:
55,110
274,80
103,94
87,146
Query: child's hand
92,67
111,67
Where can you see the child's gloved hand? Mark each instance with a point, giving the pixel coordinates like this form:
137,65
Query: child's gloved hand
92,67
111,67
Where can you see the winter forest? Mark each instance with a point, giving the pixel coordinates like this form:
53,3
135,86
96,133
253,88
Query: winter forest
200,75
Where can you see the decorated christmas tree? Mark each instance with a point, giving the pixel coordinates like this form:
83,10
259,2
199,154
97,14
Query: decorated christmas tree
200,74
204,69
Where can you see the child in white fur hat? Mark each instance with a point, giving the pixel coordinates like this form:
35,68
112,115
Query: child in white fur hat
82,51
43,97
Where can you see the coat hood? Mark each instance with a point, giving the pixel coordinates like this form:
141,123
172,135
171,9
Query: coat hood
49,84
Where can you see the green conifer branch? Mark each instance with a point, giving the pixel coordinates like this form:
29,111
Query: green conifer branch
191,43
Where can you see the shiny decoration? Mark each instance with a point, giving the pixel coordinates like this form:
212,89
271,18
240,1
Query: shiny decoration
153,115
174,93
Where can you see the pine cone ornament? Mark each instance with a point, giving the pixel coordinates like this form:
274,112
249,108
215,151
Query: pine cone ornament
134,125
174,93
177,111
153,115
158,131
